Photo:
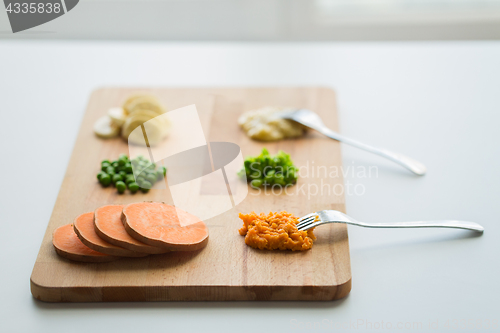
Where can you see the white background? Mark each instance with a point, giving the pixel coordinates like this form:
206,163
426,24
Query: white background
270,20
436,102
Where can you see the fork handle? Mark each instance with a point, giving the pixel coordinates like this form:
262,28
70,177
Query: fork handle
420,224
409,163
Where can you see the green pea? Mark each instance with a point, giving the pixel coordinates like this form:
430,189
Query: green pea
133,187
159,174
164,170
121,162
104,166
105,162
121,187
123,174
115,164
99,175
116,178
105,180
129,179
110,170
123,157
128,168
145,185
140,179
151,178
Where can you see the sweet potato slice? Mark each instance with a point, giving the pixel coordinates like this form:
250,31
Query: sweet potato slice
69,246
84,229
157,224
108,226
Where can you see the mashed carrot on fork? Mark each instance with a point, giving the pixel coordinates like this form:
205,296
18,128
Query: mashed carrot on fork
275,231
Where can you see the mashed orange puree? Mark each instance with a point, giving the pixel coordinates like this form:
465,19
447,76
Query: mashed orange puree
275,231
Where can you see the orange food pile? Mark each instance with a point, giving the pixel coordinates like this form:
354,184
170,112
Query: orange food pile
275,231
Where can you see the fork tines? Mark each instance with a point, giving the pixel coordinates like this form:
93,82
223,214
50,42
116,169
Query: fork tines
306,221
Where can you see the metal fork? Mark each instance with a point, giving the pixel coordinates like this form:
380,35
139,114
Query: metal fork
333,216
310,119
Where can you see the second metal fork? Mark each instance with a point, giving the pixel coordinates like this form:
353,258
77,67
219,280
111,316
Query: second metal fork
310,119
333,216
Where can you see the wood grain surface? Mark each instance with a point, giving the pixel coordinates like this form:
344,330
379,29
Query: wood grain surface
226,269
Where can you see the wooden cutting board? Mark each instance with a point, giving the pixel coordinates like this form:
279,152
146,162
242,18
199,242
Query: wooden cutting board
226,269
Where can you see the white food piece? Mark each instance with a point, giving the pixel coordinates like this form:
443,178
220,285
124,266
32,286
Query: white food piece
104,128
265,125
117,115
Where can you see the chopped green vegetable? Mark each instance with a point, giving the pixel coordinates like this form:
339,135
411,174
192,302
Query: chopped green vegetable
256,183
268,170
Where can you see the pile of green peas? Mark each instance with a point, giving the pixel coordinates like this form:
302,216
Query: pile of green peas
137,174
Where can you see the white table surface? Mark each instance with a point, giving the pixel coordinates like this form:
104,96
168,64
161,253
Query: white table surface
436,102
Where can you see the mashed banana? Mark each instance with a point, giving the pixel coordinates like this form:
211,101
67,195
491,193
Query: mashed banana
275,231
265,125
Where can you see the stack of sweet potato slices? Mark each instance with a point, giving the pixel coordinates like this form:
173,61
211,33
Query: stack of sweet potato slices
136,230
